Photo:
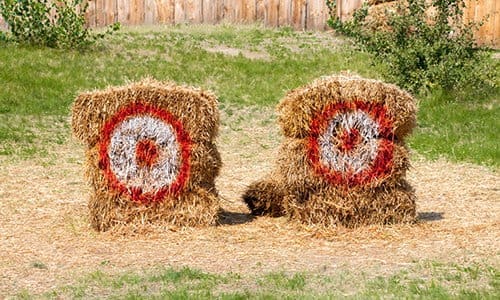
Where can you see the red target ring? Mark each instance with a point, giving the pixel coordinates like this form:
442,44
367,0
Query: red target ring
352,143
144,153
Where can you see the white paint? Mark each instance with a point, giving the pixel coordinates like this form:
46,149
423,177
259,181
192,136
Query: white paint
122,150
360,157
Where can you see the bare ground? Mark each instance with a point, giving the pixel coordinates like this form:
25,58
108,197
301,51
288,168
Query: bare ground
45,239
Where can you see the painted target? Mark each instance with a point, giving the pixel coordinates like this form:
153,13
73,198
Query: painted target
352,143
144,152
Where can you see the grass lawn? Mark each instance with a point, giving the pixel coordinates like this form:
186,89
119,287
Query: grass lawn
245,66
426,280
250,68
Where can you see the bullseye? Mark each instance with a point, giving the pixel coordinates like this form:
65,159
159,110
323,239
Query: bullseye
145,152
349,139
351,143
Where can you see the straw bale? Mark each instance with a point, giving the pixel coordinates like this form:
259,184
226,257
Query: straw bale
298,109
193,208
265,197
197,162
343,160
196,109
331,207
295,167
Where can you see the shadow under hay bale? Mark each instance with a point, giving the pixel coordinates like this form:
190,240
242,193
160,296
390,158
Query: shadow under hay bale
151,156
343,160
234,218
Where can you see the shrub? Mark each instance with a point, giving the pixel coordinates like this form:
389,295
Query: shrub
425,46
51,23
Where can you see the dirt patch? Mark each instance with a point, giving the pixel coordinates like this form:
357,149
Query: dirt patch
46,240
229,51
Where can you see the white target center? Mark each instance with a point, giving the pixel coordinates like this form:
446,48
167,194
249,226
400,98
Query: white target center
350,142
127,159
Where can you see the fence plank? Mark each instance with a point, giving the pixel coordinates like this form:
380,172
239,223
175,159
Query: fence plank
282,13
111,13
272,14
150,12
136,12
123,11
487,11
260,10
249,11
90,14
490,12
345,8
496,25
179,13
99,13
231,10
192,10
318,15
165,13
209,11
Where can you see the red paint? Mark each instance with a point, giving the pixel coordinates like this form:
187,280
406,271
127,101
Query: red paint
381,166
146,153
349,139
142,109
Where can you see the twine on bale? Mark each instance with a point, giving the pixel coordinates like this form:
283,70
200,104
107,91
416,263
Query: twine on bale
343,160
151,156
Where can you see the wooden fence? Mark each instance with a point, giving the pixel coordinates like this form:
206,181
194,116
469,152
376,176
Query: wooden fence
478,10
299,14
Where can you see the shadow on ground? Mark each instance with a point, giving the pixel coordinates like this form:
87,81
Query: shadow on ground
429,216
234,218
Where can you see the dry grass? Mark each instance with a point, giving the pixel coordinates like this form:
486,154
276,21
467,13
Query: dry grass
47,241
229,51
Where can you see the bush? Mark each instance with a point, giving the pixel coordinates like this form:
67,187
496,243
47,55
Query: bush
426,46
55,23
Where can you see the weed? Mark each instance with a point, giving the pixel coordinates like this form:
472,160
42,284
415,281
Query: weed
39,265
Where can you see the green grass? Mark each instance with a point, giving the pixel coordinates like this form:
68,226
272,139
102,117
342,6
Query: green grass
38,84
424,280
45,81
458,130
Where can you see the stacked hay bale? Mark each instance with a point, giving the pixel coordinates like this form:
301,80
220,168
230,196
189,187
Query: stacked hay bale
343,160
151,156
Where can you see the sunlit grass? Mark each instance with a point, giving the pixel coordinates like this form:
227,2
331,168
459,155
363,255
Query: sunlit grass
428,280
244,65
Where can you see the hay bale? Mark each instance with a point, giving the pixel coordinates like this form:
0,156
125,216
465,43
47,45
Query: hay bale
151,156
295,165
297,110
265,197
343,160
194,108
330,207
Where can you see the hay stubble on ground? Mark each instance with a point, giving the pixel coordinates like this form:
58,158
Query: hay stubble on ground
46,240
